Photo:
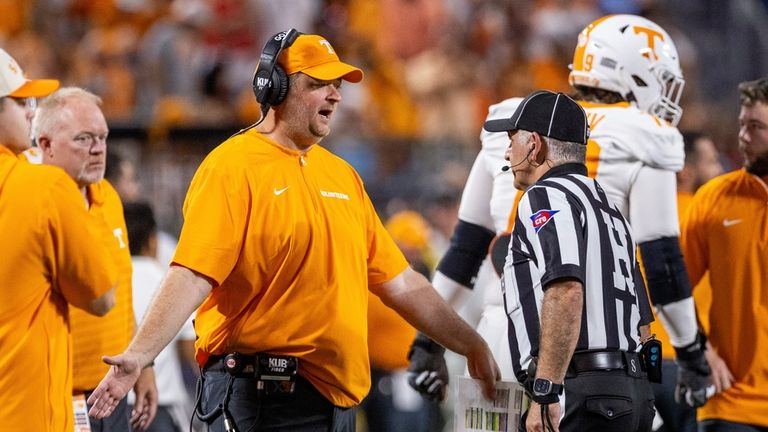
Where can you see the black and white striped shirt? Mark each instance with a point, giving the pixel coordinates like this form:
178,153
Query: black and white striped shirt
567,228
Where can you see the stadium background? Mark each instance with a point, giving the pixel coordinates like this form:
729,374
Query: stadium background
175,75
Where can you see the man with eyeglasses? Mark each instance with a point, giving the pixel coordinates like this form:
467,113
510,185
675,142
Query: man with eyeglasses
51,260
70,131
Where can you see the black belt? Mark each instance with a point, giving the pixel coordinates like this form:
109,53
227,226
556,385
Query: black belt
591,361
259,365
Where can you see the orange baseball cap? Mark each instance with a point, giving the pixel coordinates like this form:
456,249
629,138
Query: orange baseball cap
13,82
314,56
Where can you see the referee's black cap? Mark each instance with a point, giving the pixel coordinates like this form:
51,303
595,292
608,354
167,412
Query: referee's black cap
554,115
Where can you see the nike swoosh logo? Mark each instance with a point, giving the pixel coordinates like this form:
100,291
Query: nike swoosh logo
279,191
731,222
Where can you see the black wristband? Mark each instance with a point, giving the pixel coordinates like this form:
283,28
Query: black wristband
693,351
546,399
424,342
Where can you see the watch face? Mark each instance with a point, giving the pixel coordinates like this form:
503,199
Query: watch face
542,386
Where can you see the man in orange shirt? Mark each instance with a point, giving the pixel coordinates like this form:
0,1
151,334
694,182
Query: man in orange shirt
71,132
280,248
51,259
725,232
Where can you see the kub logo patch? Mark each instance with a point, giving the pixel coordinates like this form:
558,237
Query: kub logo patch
541,217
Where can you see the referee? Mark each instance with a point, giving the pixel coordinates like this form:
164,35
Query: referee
572,286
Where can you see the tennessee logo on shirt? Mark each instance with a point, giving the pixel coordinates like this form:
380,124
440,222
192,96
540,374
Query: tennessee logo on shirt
541,217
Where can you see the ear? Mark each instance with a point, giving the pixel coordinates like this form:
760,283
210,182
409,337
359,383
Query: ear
44,143
538,148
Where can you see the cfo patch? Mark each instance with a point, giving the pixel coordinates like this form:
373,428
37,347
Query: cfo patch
541,217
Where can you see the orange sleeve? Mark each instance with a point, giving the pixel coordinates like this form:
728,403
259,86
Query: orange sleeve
215,219
385,260
84,269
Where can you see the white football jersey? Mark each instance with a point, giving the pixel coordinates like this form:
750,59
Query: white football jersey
634,156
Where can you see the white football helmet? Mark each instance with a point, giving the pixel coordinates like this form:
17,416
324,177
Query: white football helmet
634,57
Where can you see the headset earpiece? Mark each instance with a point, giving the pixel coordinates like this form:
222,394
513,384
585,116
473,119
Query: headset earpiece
276,89
279,86
270,82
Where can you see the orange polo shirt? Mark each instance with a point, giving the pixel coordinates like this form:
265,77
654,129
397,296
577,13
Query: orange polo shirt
725,232
293,242
50,257
93,337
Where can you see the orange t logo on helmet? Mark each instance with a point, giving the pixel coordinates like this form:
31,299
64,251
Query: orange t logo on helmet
651,35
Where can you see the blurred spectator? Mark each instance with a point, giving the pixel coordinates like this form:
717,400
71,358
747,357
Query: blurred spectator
104,64
392,405
171,56
174,407
554,25
121,173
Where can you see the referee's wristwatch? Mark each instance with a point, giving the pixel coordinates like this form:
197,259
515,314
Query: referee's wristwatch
546,392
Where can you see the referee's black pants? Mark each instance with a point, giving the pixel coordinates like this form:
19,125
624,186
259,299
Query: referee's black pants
607,401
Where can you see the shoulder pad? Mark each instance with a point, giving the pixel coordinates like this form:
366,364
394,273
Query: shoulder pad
626,132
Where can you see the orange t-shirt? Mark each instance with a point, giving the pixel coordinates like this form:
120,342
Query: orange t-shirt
292,242
725,232
50,257
92,336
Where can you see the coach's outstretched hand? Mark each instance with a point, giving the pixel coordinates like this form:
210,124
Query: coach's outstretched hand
116,384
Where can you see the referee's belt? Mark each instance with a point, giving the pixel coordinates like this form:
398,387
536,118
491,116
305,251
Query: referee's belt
596,361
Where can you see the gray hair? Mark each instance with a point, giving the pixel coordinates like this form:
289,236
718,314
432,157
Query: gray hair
48,112
561,152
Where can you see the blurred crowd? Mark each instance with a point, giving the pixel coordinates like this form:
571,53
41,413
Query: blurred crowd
432,69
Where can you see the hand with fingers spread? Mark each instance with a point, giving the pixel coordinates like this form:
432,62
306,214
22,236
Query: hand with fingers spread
122,376
145,408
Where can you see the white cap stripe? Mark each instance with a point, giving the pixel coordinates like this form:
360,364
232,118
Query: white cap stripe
552,117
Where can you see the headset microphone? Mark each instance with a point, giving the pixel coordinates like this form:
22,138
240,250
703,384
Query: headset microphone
506,168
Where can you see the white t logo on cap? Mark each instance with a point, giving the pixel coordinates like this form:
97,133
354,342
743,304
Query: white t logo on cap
327,45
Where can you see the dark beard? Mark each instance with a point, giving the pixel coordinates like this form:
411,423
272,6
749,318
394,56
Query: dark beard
759,166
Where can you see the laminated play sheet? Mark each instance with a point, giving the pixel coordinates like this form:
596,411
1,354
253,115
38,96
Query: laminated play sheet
474,413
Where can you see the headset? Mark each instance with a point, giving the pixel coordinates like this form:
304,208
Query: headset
270,82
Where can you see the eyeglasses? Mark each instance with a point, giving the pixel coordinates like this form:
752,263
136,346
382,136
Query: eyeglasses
88,139
29,103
